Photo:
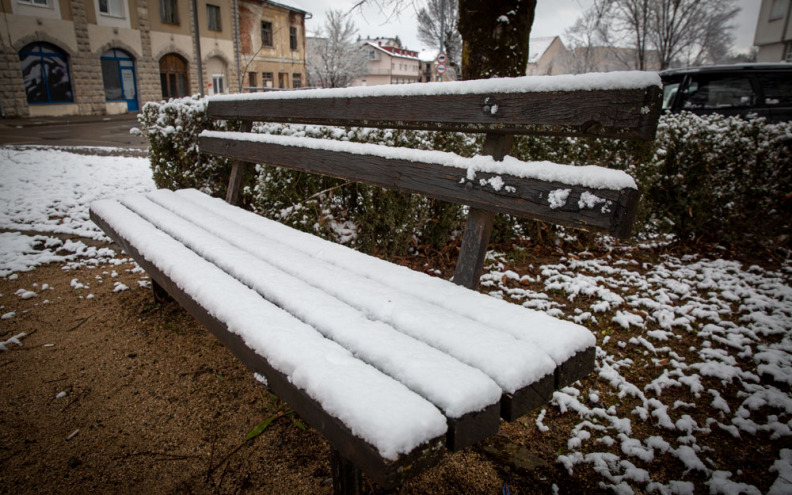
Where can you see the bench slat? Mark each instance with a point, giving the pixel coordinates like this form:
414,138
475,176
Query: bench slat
559,339
500,193
465,395
612,113
180,280
511,363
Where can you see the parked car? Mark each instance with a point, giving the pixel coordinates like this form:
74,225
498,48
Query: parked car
743,89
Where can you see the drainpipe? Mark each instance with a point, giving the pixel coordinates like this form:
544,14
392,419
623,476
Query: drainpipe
442,32
198,48
235,6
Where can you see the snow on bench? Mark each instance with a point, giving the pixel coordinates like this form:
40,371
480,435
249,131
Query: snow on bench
387,351
392,366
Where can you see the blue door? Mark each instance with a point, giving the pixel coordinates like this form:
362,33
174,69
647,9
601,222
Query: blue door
118,74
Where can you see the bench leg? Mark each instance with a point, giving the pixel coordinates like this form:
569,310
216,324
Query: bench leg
161,296
475,240
347,479
237,169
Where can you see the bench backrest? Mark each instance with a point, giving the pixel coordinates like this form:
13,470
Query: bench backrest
616,105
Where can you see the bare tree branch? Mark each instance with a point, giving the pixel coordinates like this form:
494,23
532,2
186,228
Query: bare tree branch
334,60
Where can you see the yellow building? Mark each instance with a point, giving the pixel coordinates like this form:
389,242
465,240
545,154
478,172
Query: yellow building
272,42
97,57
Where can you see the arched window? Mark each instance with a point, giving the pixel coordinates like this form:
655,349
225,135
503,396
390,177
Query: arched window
45,70
216,69
118,75
173,76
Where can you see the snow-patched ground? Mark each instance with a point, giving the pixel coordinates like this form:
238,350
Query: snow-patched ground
44,192
691,350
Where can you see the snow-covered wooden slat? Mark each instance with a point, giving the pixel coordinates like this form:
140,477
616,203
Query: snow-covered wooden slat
590,197
622,105
510,363
371,419
568,346
469,399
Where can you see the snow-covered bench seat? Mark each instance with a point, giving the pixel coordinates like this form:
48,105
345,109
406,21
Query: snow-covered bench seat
392,366
392,362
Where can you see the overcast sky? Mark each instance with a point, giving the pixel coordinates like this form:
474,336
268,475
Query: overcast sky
552,18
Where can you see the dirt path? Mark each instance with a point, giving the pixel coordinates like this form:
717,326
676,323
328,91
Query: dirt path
153,403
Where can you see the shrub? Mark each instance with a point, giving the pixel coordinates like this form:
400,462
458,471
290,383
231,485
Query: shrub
707,178
369,218
721,179
172,128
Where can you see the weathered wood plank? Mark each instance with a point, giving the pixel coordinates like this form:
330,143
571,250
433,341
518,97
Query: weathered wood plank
528,398
386,473
237,172
475,239
541,392
522,197
479,223
347,479
624,114
577,367
473,428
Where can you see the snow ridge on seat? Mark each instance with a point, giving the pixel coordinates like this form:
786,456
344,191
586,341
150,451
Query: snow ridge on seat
374,406
454,387
510,362
557,338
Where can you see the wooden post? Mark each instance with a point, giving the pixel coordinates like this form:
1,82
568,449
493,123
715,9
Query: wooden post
161,296
479,223
237,169
347,478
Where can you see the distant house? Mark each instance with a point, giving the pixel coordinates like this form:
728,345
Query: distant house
774,31
609,59
388,63
428,66
547,56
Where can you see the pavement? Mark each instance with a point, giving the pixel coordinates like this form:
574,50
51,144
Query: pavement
83,130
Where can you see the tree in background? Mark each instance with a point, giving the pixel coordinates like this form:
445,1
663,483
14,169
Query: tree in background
693,31
685,32
495,36
443,13
584,38
334,59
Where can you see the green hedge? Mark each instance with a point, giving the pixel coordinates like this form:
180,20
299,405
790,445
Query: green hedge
707,178
172,129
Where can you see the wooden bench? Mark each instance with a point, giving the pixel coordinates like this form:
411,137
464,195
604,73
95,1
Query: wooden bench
392,366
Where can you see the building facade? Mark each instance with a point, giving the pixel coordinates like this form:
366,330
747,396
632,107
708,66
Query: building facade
547,57
774,31
272,43
388,63
97,57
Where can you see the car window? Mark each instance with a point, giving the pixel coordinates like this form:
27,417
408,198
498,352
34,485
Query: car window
669,92
711,91
777,88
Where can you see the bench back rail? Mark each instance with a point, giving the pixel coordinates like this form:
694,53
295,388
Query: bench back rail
611,113
499,108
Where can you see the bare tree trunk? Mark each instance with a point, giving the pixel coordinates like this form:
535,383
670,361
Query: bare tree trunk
495,36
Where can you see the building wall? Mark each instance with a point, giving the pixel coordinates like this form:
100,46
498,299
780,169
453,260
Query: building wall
554,61
83,33
774,32
279,59
388,68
